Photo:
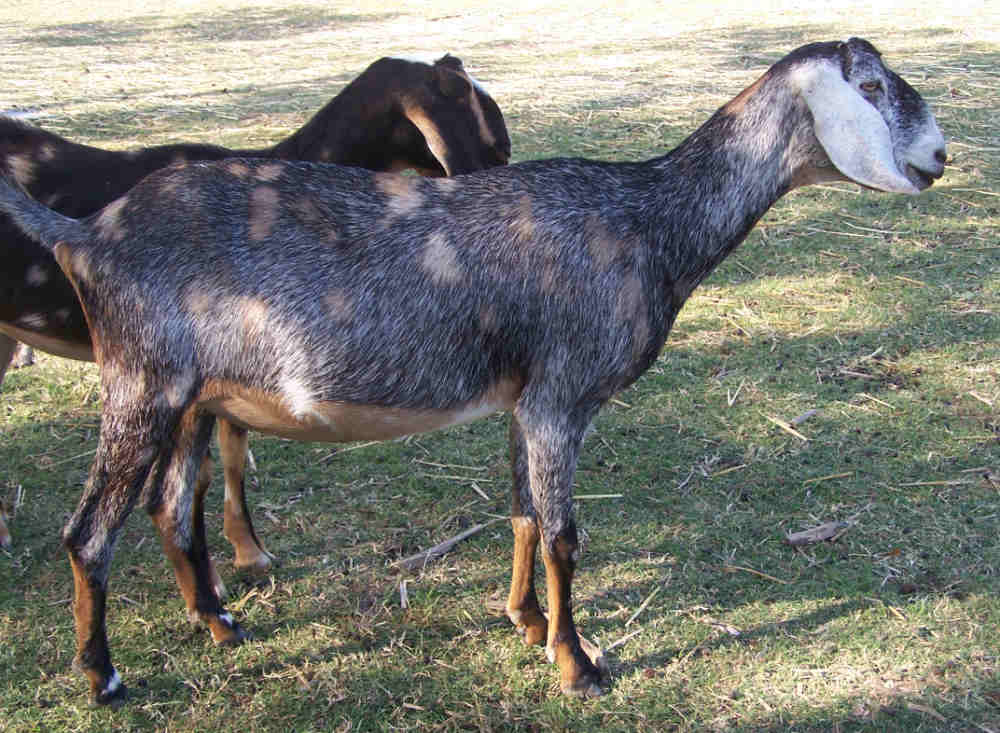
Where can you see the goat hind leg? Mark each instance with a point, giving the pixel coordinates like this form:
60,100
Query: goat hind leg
236,523
178,513
127,448
198,517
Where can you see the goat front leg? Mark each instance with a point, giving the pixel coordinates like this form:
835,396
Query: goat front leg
178,512
236,523
522,602
552,453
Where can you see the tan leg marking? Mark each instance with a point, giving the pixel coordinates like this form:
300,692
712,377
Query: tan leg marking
236,523
522,602
91,639
579,676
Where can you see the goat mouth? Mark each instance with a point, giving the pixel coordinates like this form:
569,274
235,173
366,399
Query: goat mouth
921,178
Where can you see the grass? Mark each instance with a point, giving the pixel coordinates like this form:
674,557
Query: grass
877,312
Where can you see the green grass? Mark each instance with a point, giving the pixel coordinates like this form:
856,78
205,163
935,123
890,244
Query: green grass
878,312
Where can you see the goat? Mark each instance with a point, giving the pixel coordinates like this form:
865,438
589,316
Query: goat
328,303
397,114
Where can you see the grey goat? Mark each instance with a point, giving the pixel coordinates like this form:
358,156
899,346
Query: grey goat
327,303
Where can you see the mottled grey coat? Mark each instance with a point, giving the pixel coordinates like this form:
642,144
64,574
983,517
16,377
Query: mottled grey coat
329,303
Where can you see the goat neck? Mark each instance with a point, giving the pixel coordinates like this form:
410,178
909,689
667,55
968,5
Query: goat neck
710,191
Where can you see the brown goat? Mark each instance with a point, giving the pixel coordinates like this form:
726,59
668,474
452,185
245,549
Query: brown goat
397,114
328,303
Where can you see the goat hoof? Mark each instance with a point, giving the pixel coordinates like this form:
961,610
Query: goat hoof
231,635
585,687
261,564
113,698
533,635
112,693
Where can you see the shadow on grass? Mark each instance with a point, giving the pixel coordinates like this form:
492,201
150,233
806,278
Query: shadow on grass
245,24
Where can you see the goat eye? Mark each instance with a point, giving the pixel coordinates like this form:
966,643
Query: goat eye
871,86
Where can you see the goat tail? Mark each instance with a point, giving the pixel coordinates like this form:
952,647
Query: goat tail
36,221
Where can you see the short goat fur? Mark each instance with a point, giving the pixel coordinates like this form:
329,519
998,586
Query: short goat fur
396,114
327,303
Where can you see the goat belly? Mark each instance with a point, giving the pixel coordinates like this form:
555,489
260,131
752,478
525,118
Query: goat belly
338,422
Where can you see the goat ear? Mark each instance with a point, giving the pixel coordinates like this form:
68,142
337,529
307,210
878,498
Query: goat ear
432,133
450,80
851,131
453,62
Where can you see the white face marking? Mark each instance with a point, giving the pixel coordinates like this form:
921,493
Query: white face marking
852,132
923,150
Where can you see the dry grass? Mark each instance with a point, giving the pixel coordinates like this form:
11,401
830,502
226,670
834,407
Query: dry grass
876,312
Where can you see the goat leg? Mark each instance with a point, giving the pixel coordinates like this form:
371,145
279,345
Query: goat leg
236,523
121,465
198,518
522,602
178,513
552,448
579,676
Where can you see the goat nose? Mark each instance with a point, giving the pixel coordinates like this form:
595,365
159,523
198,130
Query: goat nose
941,156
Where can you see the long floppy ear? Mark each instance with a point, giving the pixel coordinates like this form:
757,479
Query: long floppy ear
434,136
851,131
